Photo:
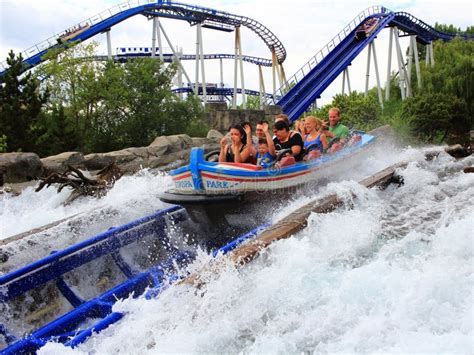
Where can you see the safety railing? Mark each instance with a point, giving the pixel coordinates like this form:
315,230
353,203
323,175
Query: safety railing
321,54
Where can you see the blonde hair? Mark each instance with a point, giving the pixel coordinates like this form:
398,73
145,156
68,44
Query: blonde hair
336,110
319,123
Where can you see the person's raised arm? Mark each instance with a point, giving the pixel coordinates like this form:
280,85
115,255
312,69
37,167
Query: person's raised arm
271,145
224,147
248,132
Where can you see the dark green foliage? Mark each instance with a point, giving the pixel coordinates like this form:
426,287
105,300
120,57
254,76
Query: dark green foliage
20,105
357,110
55,133
3,143
433,117
110,106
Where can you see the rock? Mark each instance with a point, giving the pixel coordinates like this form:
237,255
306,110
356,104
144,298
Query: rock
199,142
469,169
180,142
19,167
58,163
457,151
97,161
159,146
215,135
173,143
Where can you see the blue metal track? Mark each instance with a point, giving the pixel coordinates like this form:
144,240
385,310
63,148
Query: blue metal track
210,18
315,76
67,328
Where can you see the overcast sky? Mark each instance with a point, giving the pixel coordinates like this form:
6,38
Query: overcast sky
304,27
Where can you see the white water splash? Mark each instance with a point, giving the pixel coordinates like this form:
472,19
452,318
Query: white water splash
392,273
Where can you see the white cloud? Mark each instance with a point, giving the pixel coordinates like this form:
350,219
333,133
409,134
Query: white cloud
303,27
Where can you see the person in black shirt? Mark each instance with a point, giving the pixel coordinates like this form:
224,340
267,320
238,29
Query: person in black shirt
284,140
237,151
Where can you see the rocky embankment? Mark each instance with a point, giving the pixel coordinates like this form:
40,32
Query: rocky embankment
163,152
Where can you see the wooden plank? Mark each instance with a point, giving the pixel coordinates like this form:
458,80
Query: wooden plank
290,225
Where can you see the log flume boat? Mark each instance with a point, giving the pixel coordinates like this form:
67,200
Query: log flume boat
68,295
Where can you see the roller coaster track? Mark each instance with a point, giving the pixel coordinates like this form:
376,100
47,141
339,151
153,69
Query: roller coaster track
102,22
168,57
219,91
304,87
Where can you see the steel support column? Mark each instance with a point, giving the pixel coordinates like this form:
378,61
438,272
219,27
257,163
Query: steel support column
261,86
158,34
379,88
109,46
236,53
153,37
401,71
201,50
367,72
417,61
176,56
389,64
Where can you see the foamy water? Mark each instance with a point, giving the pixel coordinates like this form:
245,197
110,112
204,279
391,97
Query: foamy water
391,272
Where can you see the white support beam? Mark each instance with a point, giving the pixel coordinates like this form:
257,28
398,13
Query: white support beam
198,48
343,82
201,51
401,71
236,53
175,55
179,53
410,63
109,45
379,88
158,34
274,68
367,72
417,61
432,54
153,37
389,64
348,80
222,72
261,86
242,82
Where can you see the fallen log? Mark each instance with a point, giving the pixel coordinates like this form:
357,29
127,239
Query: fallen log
81,185
289,225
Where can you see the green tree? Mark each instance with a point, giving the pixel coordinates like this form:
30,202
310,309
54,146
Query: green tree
3,143
20,105
55,133
357,110
433,117
72,78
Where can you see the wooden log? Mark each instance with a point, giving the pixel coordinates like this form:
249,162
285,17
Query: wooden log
290,225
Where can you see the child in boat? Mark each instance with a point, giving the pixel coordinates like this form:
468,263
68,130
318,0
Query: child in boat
266,154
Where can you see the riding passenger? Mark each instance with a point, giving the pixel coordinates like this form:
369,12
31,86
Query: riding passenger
339,131
266,149
300,127
284,140
316,138
237,151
